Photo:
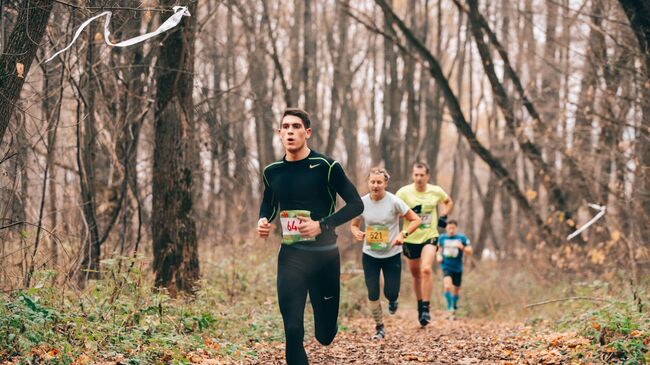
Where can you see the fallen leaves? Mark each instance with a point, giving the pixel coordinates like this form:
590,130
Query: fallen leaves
636,334
465,341
595,325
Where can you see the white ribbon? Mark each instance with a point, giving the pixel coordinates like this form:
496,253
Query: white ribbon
601,212
171,22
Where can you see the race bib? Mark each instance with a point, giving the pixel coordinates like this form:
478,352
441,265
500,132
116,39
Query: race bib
450,249
289,220
377,237
426,216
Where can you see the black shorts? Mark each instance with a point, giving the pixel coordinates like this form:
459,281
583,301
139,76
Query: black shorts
456,277
413,251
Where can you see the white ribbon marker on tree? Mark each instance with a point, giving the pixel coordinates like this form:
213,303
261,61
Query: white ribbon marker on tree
171,22
601,212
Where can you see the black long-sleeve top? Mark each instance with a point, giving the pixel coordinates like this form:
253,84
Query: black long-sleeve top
310,184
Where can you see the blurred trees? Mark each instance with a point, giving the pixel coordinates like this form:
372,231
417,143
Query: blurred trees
526,111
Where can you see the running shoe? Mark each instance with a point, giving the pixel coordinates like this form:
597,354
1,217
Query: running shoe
452,315
379,333
424,317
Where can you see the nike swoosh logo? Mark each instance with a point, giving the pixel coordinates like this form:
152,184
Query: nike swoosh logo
328,298
312,166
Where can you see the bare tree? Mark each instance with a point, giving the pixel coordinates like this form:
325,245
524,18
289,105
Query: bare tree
16,60
176,261
638,13
462,125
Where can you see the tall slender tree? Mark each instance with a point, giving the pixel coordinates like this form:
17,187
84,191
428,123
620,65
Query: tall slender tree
17,57
176,262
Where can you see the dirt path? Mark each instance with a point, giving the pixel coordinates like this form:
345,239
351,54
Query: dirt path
463,341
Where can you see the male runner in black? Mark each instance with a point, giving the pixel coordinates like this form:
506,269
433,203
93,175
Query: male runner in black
301,188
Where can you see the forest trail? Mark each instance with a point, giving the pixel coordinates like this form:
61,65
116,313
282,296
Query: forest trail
462,341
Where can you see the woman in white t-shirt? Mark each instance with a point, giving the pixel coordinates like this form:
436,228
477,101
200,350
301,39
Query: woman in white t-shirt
382,243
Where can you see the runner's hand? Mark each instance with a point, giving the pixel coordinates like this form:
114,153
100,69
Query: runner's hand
442,221
263,228
399,240
460,245
358,234
308,227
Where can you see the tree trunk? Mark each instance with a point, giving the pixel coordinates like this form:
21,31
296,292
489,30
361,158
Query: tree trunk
390,139
176,262
434,108
310,74
549,100
53,74
20,52
91,250
588,86
412,103
341,76
294,39
262,104
638,13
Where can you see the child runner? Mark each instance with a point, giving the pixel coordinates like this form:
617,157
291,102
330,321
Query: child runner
452,245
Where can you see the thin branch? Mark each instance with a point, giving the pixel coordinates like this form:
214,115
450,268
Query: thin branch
111,7
569,298
29,224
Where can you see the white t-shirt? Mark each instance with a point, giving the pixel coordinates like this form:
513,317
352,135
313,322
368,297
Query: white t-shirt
381,219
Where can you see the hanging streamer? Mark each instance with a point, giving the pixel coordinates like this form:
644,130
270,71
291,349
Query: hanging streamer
601,212
171,22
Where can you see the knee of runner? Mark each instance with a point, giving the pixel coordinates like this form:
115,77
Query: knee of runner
295,332
426,271
326,339
416,272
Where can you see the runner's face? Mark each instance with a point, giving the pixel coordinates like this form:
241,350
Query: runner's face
420,176
452,229
293,133
377,184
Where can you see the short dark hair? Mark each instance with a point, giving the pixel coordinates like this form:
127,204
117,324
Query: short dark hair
297,112
452,221
421,164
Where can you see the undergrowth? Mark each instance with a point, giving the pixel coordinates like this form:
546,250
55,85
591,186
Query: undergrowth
123,317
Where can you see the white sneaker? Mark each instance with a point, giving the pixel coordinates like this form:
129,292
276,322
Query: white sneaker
380,334
452,315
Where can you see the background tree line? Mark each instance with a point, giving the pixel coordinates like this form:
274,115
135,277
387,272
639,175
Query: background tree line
526,111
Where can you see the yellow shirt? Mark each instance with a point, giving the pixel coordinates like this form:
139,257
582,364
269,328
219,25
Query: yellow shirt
425,205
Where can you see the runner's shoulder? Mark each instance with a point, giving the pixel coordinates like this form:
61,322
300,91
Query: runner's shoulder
273,166
436,189
406,189
392,197
315,156
433,188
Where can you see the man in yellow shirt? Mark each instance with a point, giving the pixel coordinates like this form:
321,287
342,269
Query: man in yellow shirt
420,246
